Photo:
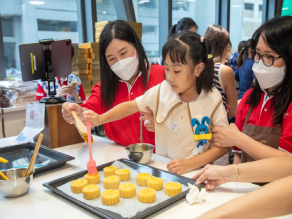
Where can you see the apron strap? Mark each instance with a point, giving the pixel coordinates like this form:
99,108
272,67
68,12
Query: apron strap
248,115
141,123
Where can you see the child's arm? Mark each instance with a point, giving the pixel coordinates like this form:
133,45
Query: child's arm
181,166
118,112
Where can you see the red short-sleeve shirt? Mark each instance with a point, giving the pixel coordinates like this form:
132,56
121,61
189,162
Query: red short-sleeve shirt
126,131
262,116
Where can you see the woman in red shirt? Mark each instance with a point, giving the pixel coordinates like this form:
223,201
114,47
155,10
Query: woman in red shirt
125,74
263,126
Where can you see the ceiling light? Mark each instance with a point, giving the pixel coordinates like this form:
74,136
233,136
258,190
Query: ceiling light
104,12
285,8
36,2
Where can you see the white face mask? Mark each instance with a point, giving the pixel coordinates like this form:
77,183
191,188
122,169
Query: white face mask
126,68
268,76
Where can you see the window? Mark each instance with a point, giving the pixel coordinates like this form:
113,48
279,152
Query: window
146,12
24,22
105,10
248,10
201,11
245,18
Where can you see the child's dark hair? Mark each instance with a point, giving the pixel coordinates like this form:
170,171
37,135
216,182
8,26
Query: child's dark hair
241,46
109,81
277,34
186,48
185,23
243,54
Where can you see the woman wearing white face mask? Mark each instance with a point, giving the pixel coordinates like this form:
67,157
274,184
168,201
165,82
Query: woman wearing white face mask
125,74
263,126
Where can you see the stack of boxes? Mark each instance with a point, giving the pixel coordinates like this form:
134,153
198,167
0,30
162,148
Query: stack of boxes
74,67
84,69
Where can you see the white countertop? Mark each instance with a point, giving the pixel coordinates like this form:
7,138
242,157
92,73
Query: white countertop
41,202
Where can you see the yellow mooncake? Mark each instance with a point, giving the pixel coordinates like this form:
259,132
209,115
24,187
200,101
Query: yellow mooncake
91,191
111,182
172,188
141,179
146,195
110,197
92,179
77,185
109,171
124,174
155,183
127,190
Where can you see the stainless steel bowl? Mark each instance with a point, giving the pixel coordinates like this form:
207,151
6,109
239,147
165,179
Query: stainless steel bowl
140,153
17,185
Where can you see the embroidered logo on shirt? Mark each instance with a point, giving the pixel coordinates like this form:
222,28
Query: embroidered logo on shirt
285,115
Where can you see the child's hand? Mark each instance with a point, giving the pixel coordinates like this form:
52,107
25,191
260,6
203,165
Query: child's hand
179,166
93,117
148,119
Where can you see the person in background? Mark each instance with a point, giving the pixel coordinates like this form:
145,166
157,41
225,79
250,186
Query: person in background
264,119
224,79
243,73
74,92
125,74
185,104
240,47
227,57
185,23
271,200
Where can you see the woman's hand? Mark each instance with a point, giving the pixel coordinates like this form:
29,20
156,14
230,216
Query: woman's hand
148,119
226,136
66,111
214,175
64,91
179,166
93,117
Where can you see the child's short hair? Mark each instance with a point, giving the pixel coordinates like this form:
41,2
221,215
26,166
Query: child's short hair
186,47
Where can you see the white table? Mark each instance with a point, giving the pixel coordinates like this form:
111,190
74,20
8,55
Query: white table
41,202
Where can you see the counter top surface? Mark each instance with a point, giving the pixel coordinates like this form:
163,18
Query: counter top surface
41,202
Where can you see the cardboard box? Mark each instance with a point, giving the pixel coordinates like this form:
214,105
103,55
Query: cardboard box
89,45
101,24
84,61
84,72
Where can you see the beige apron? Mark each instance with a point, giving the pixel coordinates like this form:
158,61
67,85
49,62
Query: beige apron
269,136
209,142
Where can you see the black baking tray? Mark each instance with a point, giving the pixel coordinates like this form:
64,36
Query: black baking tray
24,152
53,185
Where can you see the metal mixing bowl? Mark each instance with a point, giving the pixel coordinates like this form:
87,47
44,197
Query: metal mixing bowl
140,153
17,185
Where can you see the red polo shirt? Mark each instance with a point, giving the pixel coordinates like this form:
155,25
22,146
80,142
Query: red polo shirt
126,131
41,93
262,116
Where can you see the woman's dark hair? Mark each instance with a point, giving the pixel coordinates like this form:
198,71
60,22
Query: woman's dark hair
241,46
243,54
185,23
186,47
277,34
121,30
219,38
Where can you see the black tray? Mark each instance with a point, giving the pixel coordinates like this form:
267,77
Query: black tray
25,151
140,168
